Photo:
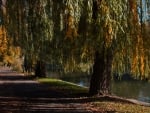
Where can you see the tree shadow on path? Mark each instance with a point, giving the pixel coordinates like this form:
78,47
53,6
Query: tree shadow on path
22,94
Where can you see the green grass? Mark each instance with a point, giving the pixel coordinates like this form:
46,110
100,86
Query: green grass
63,86
119,107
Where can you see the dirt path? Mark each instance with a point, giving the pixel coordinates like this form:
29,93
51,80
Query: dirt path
20,94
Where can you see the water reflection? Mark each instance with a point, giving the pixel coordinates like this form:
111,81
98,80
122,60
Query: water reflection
132,89
128,89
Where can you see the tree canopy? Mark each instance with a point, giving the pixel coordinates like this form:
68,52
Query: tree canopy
71,32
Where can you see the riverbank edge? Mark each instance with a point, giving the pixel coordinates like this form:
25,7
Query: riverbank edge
87,98
122,99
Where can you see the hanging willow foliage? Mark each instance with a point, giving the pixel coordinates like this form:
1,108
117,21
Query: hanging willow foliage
138,57
68,33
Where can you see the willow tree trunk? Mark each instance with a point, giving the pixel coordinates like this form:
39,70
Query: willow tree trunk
101,78
40,69
100,83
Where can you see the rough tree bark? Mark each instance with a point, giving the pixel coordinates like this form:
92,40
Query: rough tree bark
100,83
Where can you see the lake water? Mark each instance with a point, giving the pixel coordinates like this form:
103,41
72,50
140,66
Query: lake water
128,89
132,89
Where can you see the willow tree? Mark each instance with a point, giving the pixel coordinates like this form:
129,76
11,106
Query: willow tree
31,25
123,44
39,33
102,33
109,36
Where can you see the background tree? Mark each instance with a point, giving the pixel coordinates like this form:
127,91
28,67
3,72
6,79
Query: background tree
9,54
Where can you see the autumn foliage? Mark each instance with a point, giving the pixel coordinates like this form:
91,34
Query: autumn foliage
9,55
3,43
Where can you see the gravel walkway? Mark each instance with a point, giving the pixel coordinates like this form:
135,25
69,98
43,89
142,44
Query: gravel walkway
20,94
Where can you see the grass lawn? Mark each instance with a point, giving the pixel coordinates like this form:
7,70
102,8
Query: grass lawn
63,86
96,106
